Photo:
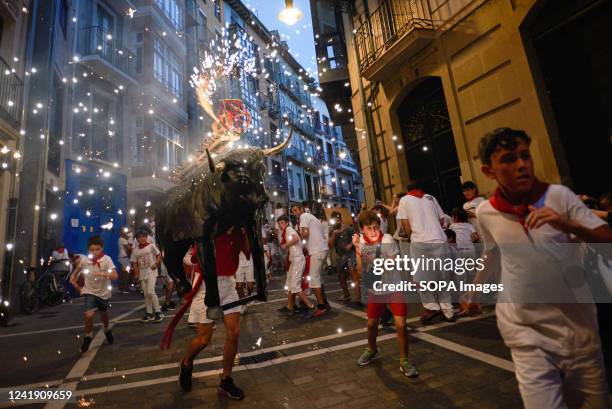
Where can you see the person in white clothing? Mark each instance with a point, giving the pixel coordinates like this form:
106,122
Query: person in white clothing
472,201
244,275
311,231
290,242
95,271
125,250
529,228
422,220
465,232
145,259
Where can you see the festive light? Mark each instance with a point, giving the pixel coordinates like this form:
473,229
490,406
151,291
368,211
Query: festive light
290,15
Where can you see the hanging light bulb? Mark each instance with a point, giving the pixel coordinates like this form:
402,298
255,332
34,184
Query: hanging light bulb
290,15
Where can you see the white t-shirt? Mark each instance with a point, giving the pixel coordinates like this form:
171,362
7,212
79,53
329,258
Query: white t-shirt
93,283
295,250
316,241
472,206
243,261
384,225
541,263
388,249
123,243
424,219
145,258
463,231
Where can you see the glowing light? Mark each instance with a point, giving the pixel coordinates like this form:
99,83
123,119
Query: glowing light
290,15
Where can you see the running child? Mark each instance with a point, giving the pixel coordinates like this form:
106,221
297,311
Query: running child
146,258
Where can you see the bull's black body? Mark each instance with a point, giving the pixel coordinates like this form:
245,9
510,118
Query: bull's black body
229,192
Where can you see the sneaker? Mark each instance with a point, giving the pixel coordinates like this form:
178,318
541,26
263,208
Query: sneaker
147,317
109,336
366,357
172,306
164,308
185,378
308,312
449,319
226,387
86,342
408,370
428,316
319,312
284,310
158,317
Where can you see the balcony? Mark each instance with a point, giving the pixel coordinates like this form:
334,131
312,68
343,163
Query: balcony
11,95
298,122
297,154
395,31
276,182
106,55
346,164
294,89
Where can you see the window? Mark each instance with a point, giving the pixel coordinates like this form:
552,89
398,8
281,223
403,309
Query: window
217,9
290,175
167,68
173,10
276,168
170,145
300,187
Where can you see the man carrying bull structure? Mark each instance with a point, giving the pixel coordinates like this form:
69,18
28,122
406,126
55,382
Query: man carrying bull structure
228,247
216,212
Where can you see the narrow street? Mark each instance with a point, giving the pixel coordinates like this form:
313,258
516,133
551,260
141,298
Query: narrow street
285,362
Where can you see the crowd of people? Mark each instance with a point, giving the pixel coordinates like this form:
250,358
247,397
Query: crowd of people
556,348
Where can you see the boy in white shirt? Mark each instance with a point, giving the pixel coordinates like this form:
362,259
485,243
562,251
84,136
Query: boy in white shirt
530,228
98,271
290,242
465,233
473,200
146,258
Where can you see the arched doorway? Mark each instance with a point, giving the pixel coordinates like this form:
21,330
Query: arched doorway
571,55
431,156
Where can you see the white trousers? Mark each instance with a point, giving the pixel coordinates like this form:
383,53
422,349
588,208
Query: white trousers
148,288
550,381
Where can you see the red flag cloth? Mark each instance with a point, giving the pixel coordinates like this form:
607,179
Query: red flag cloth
167,339
521,211
416,193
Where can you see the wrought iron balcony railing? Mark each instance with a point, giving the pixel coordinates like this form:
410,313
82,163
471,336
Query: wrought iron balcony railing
11,94
97,41
391,20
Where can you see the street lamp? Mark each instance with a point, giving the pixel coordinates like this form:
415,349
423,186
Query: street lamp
290,15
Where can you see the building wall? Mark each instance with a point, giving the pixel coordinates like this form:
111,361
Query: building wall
481,59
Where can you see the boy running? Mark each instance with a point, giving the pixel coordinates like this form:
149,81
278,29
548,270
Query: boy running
370,245
146,258
98,271
527,226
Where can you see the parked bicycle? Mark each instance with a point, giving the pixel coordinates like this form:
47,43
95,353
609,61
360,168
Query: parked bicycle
50,288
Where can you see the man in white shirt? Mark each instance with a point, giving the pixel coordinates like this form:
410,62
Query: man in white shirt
530,228
423,222
473,200
311,232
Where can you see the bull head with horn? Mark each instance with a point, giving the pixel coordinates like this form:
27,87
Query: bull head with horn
227,192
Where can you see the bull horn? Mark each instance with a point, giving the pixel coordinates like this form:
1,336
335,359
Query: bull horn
278,148
211,163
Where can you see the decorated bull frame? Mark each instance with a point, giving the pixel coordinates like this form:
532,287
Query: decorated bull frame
228,191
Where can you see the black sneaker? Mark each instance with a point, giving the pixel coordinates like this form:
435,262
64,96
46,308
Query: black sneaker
164,307
158,317
172,306
86,341
226,387
185,378
109,336
147,317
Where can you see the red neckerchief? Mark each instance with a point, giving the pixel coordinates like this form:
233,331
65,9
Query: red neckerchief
378,239
142,246
501,203
61,251
416,193
96,260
